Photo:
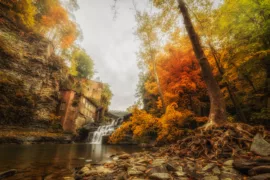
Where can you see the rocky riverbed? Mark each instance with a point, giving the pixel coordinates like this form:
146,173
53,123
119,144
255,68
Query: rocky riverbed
148,165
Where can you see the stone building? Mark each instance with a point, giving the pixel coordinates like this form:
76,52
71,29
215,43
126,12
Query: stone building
77,109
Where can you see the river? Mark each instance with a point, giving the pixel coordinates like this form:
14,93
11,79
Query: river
54,161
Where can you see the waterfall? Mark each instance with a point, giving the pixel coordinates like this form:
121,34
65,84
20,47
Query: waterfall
105,130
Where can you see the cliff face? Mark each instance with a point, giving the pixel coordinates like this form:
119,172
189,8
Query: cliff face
30,73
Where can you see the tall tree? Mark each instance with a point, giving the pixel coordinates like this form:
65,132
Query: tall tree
217,114
153,29
147,33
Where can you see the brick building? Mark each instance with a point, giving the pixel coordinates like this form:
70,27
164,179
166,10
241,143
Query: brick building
77,109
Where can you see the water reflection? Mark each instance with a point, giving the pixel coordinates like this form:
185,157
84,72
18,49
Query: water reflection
54,160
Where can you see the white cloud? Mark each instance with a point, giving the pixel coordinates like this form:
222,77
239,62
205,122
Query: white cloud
112,45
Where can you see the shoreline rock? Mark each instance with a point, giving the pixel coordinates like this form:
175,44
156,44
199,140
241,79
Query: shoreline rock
154,165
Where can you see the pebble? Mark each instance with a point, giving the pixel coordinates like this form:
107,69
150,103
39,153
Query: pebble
160,176
210,178
216,170
208,166
228,163
143,166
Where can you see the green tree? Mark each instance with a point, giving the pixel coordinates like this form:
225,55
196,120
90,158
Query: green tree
106,96
81,64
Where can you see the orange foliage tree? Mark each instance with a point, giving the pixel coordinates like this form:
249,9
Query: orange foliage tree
180,77
55,23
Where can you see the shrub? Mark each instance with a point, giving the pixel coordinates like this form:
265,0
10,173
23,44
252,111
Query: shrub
169,128
172,123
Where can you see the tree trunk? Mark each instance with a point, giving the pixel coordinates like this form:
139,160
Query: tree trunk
159,87
233,97
267,83
246,77
217,115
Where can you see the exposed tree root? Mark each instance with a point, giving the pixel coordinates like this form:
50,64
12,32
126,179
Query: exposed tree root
232,139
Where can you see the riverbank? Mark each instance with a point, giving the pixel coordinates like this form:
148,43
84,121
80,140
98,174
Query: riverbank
149,165
30,135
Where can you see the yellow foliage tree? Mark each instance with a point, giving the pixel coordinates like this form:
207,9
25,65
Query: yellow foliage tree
172,123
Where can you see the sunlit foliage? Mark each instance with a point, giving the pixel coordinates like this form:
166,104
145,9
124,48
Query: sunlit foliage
20,11
146,127
81,64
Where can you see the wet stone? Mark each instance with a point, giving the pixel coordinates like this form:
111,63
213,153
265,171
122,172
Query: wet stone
228,163
228,175
158,169
208,166
180,173
160,176
191,167
228,169
121,176
172,166
210,178
183,178
134,172
140,168
124,156
260,146
216,170
158,162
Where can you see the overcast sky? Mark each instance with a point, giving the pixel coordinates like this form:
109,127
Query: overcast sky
112,45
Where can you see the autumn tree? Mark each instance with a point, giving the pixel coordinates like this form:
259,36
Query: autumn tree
217,114
21,12
236,33
152,28
181,75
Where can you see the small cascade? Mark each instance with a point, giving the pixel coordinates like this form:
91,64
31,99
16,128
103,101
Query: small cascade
105,130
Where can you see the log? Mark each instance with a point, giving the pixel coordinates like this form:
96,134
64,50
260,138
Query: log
244,166
8,173
261,177
259,170
263,160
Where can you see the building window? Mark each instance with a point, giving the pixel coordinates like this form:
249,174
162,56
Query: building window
62,106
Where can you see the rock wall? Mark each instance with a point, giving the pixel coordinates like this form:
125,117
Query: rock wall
30,73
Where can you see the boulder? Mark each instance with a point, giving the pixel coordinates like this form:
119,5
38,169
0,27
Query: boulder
8,173
261,177
259,170
260,146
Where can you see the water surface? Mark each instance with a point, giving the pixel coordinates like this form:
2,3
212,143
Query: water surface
54,161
